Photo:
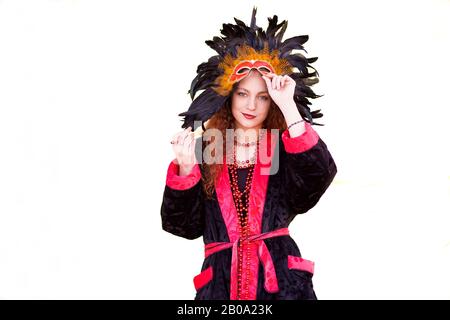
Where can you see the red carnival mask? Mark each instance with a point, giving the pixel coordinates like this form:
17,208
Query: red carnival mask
243,69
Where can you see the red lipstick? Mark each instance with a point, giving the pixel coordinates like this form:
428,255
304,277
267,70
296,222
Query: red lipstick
248,116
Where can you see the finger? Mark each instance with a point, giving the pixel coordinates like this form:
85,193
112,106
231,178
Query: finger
183,134
185,138
174,139
268,82
180,138
190,137
290,80
186,129
274,81
191,150
283,81
278,82
178,134
186,149
181,153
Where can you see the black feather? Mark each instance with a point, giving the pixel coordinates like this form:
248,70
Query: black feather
203,107
294,43
253,19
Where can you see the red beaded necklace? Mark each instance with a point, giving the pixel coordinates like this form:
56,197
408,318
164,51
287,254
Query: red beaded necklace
241,200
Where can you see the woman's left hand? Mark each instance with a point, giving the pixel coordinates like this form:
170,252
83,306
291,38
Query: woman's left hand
281,89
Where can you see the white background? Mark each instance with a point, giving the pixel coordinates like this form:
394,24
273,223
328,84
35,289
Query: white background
89,97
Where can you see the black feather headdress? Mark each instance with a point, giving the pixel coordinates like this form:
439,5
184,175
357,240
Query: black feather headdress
241,44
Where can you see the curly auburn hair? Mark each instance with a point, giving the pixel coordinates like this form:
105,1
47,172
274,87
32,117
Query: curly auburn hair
222,120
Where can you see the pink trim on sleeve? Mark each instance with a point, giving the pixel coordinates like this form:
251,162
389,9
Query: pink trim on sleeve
303,142
177,182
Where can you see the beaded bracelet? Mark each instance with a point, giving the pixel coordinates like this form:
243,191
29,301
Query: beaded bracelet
295,123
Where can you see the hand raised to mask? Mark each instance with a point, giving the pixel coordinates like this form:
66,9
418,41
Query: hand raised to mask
281,89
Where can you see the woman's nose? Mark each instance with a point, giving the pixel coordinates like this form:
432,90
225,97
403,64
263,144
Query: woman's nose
251,105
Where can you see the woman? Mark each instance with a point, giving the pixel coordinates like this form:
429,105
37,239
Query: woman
242,196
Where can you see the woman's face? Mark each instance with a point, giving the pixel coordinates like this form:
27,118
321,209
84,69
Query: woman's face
250,102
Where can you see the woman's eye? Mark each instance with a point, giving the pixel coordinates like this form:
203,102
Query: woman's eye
243,94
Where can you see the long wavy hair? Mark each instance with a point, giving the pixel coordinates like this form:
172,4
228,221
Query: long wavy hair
224,119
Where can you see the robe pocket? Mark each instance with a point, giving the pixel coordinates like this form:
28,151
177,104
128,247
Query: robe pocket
203,278
298,263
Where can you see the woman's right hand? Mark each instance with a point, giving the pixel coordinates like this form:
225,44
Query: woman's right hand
183,144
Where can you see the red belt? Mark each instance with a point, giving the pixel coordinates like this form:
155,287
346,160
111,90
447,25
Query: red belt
270,277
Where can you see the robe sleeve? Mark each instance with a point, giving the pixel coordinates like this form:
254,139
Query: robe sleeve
308,169
182,209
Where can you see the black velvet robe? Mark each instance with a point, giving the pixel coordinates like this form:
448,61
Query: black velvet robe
302,174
